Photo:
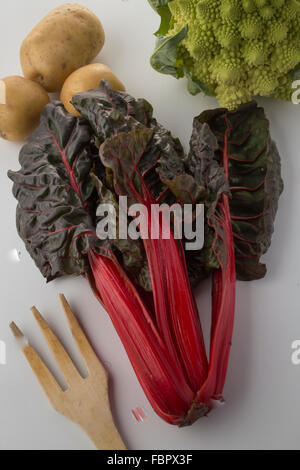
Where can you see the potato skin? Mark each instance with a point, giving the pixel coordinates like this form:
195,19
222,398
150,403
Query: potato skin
24,101
87,78
68,38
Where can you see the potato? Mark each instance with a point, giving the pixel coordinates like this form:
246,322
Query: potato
84,79
67,38
21,104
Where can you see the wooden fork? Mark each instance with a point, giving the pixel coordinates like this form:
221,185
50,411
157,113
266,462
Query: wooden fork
86,401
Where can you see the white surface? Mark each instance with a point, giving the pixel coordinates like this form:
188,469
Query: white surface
262,390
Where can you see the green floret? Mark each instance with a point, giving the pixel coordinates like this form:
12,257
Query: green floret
227,36
292,9
261,3
187,8
277,3
227,68
284,90
267,12
202,42
251,27
285,57
231,96
263,81
206,10
248,6
231,10
277,32
234,49
255,53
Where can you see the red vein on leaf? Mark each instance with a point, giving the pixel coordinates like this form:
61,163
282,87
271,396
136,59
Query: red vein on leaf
152,167
265,147
254,217
245,188
35,188
72,178
64,229
238,237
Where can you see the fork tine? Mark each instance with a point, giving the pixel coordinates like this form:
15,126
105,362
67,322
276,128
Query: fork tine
89,356
41,371
62,358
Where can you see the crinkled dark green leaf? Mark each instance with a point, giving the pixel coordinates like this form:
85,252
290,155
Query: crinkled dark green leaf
132,253
125,154
207,172
159,166
110,112
130,156
254,177
164,164
184,187
54,188
56,214
164,160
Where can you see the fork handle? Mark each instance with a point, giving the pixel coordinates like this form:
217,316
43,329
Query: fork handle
104,433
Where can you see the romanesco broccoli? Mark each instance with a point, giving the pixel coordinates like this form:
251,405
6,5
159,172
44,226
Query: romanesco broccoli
235,49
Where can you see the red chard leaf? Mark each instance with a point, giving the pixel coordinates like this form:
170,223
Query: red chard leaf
110,112
253,173
54,190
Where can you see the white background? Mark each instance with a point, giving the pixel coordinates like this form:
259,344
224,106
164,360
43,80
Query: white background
263,387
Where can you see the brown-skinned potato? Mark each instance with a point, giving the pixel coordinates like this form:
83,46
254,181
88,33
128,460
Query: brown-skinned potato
66,39
21,104
87,78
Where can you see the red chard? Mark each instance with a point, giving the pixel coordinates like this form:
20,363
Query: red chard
117,149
